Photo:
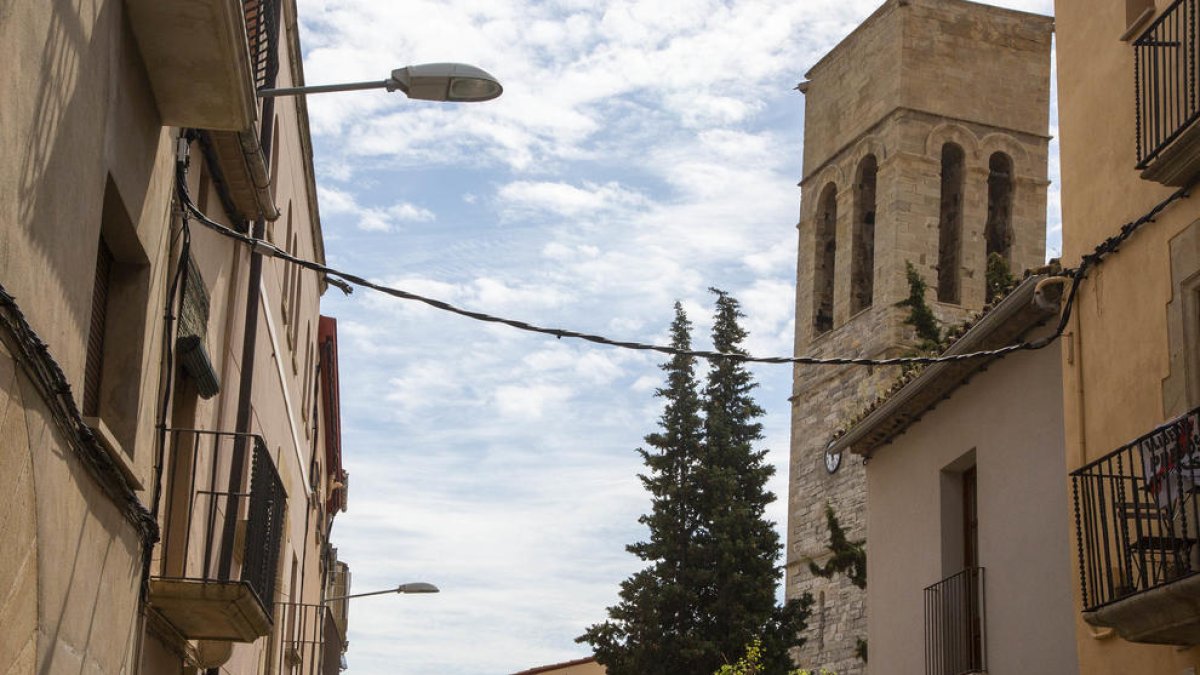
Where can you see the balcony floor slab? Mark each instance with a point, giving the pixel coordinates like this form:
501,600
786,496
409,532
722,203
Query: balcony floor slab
1168,614
211,610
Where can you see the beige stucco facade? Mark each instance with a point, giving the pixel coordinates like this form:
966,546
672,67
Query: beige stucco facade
1004,425
916,80
1130,358
69,580
89,218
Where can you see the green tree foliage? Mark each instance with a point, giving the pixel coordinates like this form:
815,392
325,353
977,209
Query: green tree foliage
653,630
920,316
742,546
1000,279
709,588
751,664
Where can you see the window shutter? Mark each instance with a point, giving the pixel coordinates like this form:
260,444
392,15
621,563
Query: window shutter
193,326
193,317
94,364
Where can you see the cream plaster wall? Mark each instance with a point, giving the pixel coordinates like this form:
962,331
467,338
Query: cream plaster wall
1010,418
76,116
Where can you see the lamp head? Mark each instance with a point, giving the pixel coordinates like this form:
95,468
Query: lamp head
417,587
455,82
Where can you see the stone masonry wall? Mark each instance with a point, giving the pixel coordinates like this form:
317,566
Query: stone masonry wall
895,89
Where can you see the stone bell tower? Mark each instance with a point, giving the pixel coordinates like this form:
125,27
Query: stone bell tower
925,142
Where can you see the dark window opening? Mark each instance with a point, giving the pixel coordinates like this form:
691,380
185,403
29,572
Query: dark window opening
94,365
824,255
999,232
116,334
1135,9
862,266
970,516
954,606
950,225
275,157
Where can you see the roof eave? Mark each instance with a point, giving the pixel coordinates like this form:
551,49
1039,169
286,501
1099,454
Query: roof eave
1014,316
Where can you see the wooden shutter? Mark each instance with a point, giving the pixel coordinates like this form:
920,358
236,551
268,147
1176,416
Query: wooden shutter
95,345
193,317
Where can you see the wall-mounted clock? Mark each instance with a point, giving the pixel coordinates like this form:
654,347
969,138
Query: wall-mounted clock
833,461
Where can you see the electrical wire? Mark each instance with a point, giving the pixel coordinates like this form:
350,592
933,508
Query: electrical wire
1106,248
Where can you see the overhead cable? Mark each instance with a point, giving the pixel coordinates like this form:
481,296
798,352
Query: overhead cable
1106,248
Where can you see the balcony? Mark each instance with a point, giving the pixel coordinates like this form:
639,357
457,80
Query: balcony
954,625
301,647
216,573
1136,522
339,587
204,58
1168,104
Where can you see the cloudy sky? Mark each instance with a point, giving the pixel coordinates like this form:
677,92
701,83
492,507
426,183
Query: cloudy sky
642,152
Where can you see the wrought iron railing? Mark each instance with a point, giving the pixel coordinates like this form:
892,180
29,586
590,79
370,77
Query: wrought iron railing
1136,513
1165,79
225,504
339,587
954,625
300,645
262,34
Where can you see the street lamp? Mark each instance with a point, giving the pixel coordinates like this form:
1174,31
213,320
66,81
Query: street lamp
453,82
416,587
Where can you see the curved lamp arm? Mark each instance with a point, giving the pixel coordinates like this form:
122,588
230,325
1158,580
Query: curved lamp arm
416,587
452,82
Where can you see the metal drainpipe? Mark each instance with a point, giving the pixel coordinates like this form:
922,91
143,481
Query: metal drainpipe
250,337
249,344
246,383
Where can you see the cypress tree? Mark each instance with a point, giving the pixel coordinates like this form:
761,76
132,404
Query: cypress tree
652,630
741,545
708,592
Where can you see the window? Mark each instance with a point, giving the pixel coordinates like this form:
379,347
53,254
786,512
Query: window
950,224
297,297
289,245
93,369
1137,12
306,377
862,265
116,331
954,606
999,232
1181,387
824,254
275,157
191,334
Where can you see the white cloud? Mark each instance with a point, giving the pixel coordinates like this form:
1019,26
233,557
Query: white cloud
568,200
335,202
525,403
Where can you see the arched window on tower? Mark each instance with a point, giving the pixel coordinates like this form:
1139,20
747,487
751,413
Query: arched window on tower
950,224
862,265
999,232
824,254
